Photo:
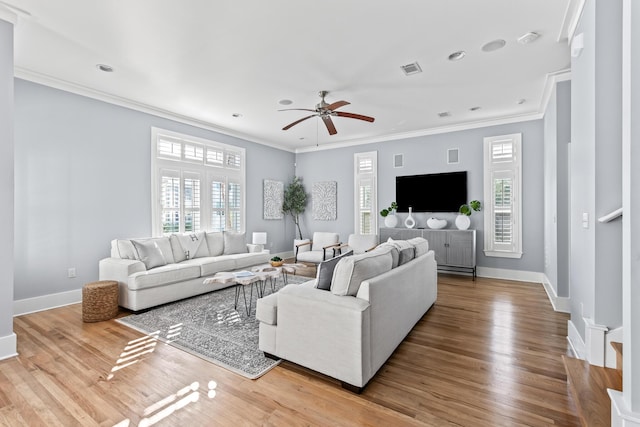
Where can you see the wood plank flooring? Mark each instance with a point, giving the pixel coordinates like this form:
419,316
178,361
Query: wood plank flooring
489,353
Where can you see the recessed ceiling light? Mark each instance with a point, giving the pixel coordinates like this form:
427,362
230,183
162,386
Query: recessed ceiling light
444,114
236,115
456,56
494,45
474,108
105,68
285,102
528,37
521,101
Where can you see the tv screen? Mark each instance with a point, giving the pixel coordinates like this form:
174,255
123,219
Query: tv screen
439,192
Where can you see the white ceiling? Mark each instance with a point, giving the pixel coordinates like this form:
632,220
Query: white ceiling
204,60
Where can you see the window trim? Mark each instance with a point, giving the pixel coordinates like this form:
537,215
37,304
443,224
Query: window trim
235,172
357,178
514,169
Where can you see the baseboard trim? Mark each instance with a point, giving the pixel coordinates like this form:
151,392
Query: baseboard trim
560,304
620,414
8,346
576,342
46,302
516,275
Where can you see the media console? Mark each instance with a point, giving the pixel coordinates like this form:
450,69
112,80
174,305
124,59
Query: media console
455,250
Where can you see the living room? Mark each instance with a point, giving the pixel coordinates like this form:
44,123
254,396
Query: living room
81,166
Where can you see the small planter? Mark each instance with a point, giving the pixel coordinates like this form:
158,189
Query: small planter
276,263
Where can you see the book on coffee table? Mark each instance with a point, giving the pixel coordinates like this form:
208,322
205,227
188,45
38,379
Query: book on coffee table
243,273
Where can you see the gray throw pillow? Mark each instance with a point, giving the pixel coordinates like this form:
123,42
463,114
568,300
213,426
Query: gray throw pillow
406,255
234,243
325,271
149,253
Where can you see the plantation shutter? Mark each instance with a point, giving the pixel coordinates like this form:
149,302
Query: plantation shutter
365,165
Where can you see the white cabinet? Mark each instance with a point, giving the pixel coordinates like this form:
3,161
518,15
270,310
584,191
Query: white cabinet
455,250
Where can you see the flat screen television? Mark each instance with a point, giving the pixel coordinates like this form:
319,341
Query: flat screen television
437,192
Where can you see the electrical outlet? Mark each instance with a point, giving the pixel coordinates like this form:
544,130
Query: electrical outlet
71,272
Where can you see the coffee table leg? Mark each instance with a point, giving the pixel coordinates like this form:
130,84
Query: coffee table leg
235,305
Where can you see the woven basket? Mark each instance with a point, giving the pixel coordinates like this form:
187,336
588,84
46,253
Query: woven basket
99,301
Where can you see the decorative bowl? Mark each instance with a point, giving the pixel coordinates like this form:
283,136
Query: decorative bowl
276,263
436,223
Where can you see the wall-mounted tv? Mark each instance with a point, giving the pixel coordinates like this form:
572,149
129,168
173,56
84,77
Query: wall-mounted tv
437,192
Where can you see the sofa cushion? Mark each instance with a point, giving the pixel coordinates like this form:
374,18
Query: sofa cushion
420,244
325,271
188,246
352,270
267,309
212,264
215,242
395,253
234,243
406,250
149,253
165,275
248,259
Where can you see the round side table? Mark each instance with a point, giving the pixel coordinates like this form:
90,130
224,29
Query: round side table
99,301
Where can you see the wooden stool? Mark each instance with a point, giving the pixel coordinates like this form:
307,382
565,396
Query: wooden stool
99,301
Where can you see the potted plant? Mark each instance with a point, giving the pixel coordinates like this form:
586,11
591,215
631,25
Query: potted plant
294,203
276,261
390,219
462,220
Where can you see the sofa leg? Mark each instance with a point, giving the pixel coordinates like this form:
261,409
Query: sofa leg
352,388
270,356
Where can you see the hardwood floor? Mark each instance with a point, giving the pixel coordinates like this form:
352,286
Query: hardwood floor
489,353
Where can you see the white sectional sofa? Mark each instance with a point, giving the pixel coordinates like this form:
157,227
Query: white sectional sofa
154,271
349,327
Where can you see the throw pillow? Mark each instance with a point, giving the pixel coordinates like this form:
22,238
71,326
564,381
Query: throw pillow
234,243
406,255
421,244
395,253
349,273
215,241
149,253
189,246
325,271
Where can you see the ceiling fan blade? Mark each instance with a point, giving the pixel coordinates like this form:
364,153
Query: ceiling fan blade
298,121
354,116
336,104
298,109
329,124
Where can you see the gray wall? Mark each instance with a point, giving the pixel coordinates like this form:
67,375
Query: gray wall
557,130
82,172
6,183
596,251
428,155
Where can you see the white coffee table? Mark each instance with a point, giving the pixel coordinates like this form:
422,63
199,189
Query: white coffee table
241,279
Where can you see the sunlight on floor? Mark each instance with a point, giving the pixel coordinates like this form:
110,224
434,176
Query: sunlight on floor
133,352
172,403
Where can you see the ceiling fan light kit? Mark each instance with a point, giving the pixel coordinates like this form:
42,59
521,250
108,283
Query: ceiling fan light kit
325,112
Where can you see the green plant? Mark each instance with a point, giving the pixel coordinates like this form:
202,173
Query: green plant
295,201
468,208
276,259
390,209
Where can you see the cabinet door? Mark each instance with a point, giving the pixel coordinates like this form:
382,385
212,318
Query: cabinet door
437,242
461,248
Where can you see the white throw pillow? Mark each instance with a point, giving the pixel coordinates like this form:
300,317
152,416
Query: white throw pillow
421,244
352,270
149,253
395,253
215,241
189,246
234,243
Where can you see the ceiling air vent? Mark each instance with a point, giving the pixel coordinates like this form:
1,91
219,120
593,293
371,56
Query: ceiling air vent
410,69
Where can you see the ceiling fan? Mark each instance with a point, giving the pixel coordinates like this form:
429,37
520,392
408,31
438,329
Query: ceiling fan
325,111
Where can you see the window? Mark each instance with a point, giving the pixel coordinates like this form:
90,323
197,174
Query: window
502,193
197,184
365,173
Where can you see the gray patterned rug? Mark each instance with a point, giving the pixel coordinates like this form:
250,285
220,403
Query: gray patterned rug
208,326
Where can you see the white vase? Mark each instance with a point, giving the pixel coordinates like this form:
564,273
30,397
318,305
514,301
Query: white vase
410,222
463,222
390,221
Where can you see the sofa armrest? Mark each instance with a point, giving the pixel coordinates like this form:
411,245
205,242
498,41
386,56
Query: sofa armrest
119,269
325,332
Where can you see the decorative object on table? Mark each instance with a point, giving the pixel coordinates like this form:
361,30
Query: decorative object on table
259,238
436,223
324,197
409,222
272,199
99,301
295,201
462,220
390,219
211,329
276,261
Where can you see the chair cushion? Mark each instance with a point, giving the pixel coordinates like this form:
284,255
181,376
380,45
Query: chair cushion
322,239
352,270
325,271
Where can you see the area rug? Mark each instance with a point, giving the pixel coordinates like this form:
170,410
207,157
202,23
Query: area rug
209,327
